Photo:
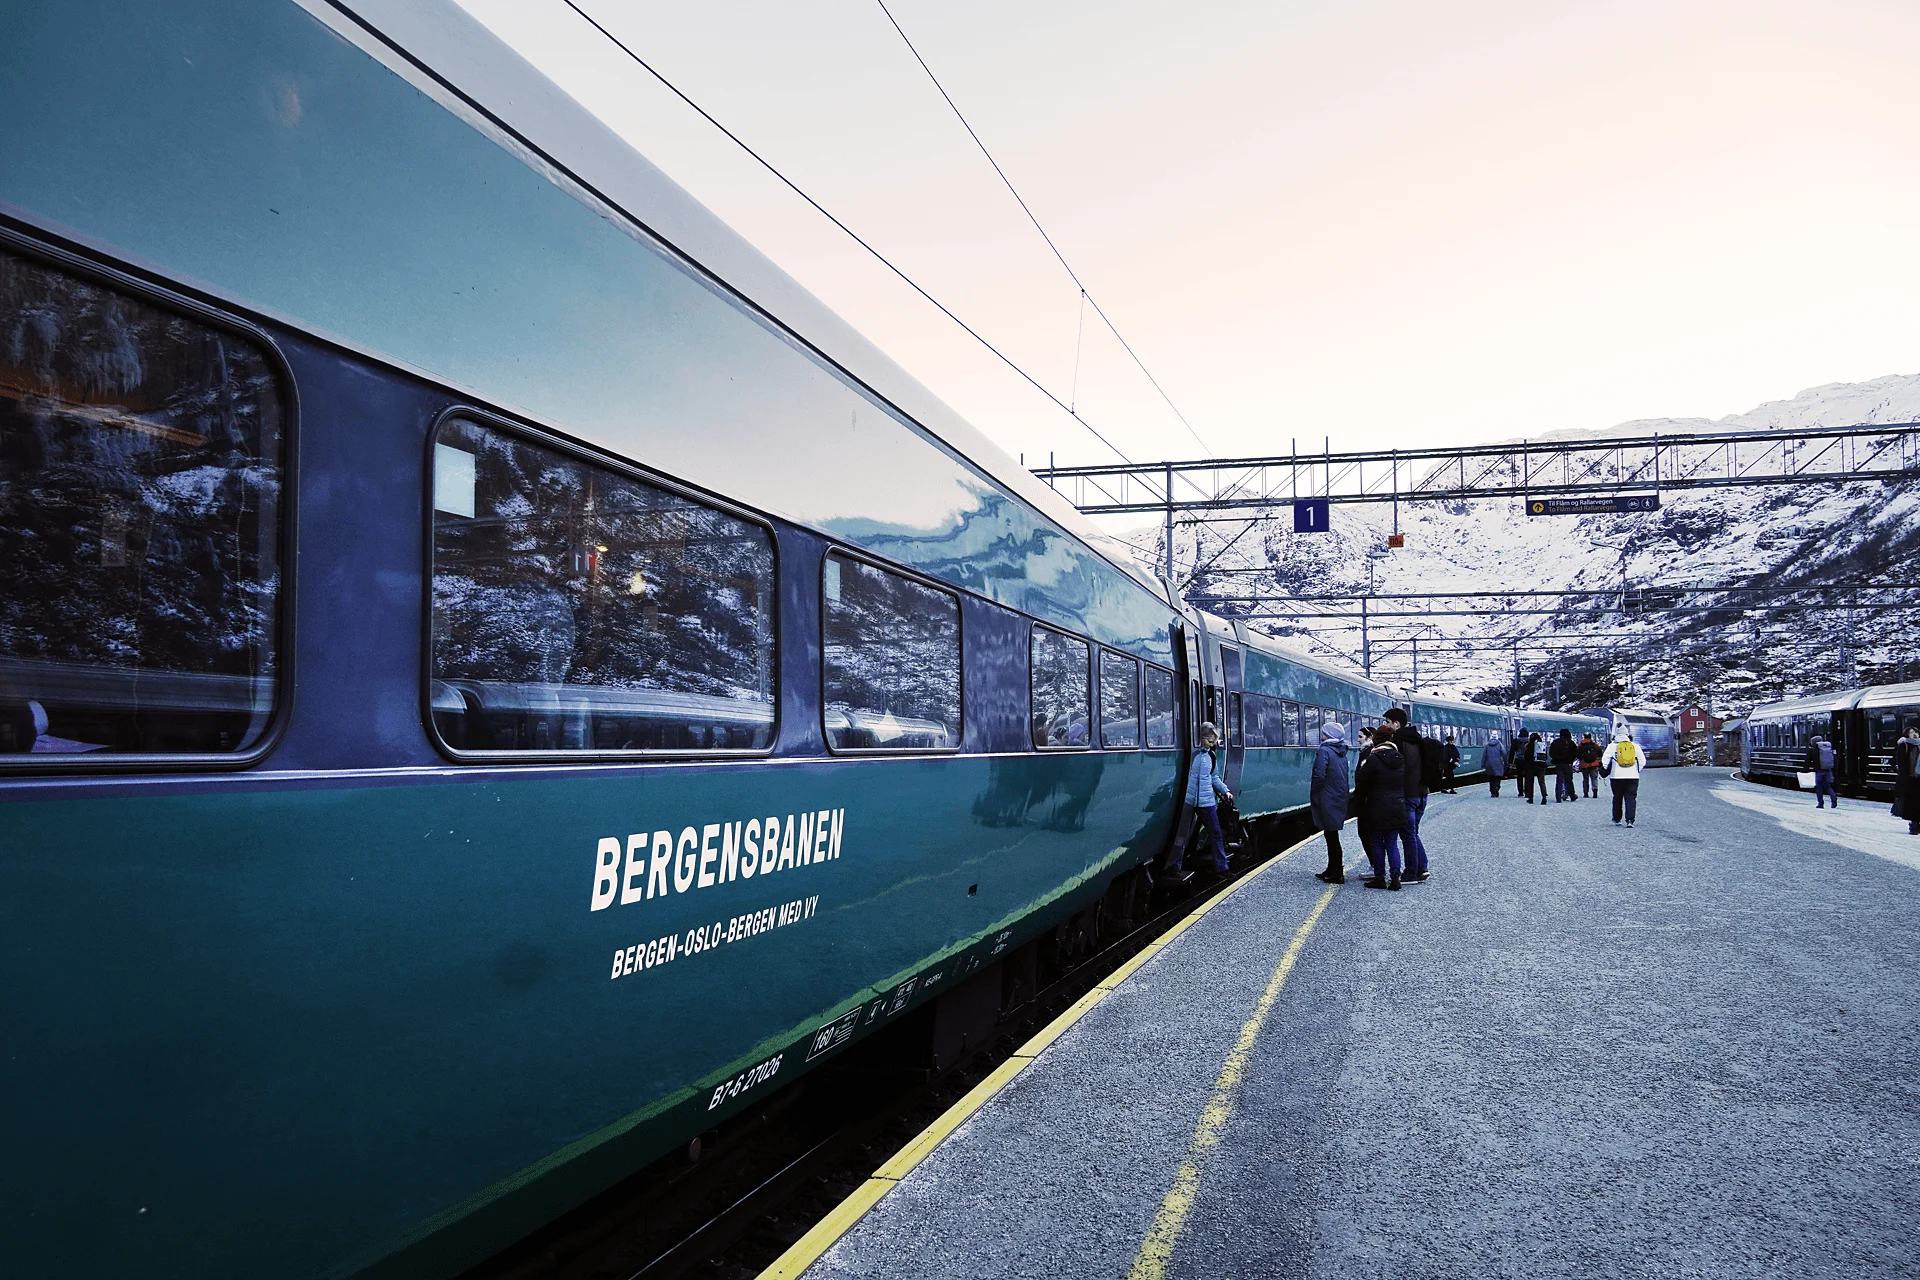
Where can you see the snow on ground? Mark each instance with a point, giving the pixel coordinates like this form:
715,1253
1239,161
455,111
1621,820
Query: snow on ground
1864,825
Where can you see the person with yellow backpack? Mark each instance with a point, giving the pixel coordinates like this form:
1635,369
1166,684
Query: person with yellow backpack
1621,764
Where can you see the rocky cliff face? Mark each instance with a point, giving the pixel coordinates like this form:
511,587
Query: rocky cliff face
1664,648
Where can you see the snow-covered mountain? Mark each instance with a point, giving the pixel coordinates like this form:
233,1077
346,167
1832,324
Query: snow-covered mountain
1664,651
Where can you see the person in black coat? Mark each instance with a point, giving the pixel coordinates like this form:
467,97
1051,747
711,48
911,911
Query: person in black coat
1420,763
1564,752
1379,797
1906,786
1450,764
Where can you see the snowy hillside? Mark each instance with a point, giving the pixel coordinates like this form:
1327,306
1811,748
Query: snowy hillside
1715,649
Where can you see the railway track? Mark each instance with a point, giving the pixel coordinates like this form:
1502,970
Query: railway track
736,1198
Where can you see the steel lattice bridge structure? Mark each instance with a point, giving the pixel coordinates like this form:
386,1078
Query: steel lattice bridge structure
1593,467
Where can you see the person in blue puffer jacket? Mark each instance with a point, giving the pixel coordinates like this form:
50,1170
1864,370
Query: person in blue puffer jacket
1205,790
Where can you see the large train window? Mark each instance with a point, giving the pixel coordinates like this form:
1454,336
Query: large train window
1264,721
577,608
1158,696
890,670
1062,702
1119,700
140,503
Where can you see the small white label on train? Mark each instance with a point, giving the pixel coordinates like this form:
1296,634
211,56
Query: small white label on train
706,937
756,1075
647,865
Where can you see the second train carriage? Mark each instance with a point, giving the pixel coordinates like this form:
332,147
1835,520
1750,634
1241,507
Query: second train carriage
1862,724
1652,732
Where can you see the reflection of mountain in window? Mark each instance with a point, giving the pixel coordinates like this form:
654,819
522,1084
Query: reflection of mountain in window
579,609
890,673
139,524
1159,707
1119,700
1062,701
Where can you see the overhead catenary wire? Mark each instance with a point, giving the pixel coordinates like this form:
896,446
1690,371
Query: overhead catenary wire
1086,297
851,234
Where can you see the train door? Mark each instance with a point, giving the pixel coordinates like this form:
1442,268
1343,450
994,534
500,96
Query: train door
1837,736
1186,676
1232,735
1195,674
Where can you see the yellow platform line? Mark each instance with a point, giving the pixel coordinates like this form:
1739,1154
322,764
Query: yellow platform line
807,1249
1157,1249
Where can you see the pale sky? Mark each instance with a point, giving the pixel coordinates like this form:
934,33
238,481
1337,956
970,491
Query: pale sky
1394,224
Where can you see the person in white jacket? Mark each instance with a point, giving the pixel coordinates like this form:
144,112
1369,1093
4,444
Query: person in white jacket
1621,764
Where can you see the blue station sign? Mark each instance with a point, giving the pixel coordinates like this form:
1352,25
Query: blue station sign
1312,515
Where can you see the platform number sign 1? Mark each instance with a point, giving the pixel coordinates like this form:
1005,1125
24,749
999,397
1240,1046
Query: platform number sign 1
1312,515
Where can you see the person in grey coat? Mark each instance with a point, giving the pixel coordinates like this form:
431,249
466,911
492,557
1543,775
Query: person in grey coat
1328,798
1495,763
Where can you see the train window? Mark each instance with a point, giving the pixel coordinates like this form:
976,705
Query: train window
1310,722
1233,732
140,498
1119,700
578,608
1885,727
1061,700
1290,719
890,665
1194,714
1158,696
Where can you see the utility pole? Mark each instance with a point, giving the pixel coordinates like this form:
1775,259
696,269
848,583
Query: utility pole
1366,652
1169,475
1416,663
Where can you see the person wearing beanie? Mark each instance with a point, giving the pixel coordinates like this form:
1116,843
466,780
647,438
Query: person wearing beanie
1328,797
1621,764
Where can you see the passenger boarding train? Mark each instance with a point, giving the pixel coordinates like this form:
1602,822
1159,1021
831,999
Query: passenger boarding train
494,678
1862,724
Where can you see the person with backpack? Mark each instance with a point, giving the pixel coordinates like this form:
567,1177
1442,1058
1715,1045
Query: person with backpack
1379,795
1517,765
1419,765
1906,778
1494,761
1563,753
1819,763
1621,764
1327,798
1589,766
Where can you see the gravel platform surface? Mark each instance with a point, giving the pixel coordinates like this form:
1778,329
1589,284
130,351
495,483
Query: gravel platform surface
1688,1049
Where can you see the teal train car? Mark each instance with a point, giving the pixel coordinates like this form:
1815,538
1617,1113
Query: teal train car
1548,724
494,678
1471,725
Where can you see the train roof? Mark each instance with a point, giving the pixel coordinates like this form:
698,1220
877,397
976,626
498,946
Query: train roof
1843,700
1461,704
460,50
1892,695
1267,645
